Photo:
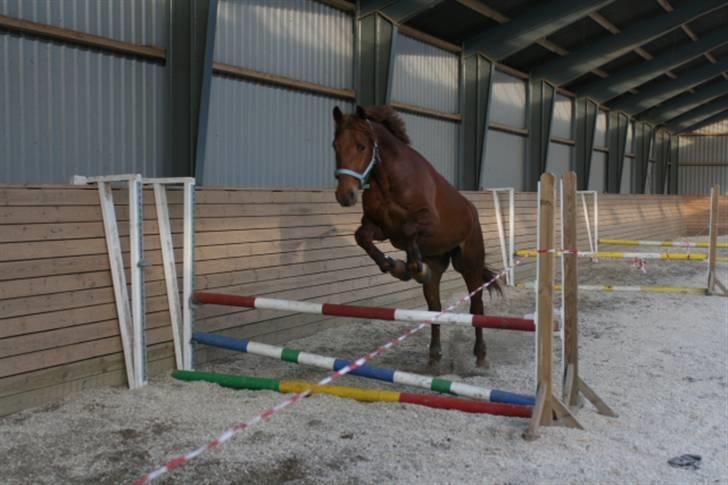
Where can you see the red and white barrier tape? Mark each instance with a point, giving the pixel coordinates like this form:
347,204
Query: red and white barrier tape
183,459
640,264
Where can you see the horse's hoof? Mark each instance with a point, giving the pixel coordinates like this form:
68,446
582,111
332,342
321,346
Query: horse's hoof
399,270
481,363
423,276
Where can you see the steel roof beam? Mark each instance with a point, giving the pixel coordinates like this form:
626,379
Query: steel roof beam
631,77
723,115
697,115
567,68
649,97
677,106
403,10
540,21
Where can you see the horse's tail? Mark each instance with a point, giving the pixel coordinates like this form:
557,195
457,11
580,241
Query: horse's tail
488,275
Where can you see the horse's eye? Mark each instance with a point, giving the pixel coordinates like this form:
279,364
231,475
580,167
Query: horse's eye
360,147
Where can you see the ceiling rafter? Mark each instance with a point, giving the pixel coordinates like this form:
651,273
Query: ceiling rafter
488,12
665,4
613,29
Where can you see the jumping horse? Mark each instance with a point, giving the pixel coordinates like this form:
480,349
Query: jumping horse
408,202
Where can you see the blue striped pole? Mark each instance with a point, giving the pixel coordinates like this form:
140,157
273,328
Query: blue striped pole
378,373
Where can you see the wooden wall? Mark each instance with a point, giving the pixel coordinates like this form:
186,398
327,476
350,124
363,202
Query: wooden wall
58,327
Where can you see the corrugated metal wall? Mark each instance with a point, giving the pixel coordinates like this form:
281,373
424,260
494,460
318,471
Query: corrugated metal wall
264,136
562,124
136,21
436,140
703,160
429,77
299,39
598,172
67,110
699,180
505,156
425,75
249,145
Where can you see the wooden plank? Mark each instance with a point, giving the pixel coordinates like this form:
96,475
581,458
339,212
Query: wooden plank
83,39
48,385
544,334
431,113
281,81
570,284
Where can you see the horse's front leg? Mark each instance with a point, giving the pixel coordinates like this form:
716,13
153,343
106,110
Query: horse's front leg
365,236
415,265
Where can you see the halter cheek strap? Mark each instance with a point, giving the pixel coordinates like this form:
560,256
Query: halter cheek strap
363,177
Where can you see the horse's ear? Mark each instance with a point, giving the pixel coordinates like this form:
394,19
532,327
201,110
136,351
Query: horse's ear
338,115
360,112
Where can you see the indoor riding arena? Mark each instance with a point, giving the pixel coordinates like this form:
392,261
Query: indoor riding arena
364,242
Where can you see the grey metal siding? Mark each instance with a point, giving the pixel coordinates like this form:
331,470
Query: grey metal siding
562,120
699,180
703,149
625,186
425,75
508,104
600,133
299,39
504,161
436,140
137,21
265,136
598,172
708,151
558,161
66,110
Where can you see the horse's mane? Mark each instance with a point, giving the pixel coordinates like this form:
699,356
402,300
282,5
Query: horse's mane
390,119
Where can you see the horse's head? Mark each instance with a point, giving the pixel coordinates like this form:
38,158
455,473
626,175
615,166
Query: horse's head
356,154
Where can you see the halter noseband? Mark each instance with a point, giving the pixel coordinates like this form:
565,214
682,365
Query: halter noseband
363,177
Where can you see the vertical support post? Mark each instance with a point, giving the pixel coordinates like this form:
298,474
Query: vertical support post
586,123
170,269
587,222
118,278
596,221
643,142
478,73
573,383
191,45
547,404
188,269
674,164
569,285
713,280
377,37
617,145
501,234
512,234
540,112
136,244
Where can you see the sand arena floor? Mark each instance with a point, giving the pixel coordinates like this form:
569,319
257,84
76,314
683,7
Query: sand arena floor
659,360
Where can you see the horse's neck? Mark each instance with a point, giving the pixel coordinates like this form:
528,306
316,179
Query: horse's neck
385,173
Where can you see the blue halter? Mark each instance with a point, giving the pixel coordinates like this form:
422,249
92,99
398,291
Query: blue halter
363,177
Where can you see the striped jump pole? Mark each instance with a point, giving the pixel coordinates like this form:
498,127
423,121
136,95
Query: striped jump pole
378,373
529,253
356,393
675,244
353,311
617,288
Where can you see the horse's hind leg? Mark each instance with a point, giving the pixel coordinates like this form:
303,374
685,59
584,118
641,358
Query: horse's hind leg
470,265
431,289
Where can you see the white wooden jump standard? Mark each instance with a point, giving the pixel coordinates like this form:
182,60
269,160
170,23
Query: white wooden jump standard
131,319
506,252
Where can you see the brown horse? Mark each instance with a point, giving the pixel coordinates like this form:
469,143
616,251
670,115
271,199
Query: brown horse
406,201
